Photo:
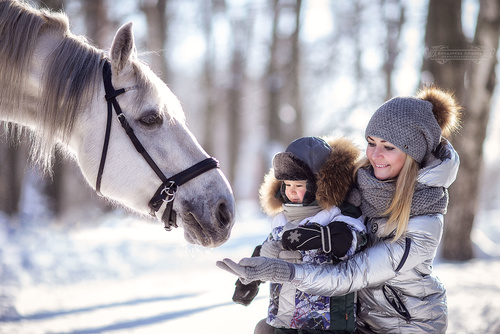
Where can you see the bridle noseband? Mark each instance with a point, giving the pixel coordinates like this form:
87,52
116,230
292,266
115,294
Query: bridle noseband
167,190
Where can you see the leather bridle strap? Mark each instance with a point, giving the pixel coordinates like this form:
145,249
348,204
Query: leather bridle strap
167,190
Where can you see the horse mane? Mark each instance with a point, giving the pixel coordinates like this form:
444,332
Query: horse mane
70,73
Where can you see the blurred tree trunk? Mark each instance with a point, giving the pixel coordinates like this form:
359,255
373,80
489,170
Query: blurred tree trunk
96,22
156,40
473,83
273,79
394,26
9,179
294,76
283,75
208,76
241,27
12,166
235,93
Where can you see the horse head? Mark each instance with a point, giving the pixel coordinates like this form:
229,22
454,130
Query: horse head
204,206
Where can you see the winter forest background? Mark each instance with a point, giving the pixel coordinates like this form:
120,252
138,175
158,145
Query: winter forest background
252,75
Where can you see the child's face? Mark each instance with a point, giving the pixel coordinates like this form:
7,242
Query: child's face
295,190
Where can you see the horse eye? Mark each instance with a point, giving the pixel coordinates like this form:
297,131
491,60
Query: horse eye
151,119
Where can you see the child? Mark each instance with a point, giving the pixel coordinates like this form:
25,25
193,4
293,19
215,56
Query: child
306,187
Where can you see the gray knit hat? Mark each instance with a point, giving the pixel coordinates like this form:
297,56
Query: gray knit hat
408,123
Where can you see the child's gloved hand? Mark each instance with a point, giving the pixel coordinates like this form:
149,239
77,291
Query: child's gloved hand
245,293
275,250
271,249
259,268
335,238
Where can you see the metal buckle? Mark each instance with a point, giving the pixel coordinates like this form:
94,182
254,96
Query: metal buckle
170,192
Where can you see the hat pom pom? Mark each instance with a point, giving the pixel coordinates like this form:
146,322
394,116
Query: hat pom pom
446,109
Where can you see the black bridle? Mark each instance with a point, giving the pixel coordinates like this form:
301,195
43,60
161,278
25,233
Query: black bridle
167,190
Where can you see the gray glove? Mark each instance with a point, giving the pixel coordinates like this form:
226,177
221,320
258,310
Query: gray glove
259,268
271,249
290,256
275,250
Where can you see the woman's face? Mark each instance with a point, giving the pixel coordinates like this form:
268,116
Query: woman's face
295,190
386,159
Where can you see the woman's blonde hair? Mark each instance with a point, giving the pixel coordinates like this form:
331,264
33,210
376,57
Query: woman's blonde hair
398,211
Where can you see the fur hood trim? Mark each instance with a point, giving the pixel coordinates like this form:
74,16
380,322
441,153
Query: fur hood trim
334,179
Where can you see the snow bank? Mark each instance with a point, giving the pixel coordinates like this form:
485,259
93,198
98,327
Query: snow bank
124,275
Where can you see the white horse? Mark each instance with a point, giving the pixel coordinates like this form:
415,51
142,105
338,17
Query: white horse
51,82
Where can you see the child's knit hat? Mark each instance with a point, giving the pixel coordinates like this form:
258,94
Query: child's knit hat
415,124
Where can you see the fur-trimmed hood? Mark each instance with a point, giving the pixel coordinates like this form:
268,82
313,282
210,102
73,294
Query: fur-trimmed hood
333,180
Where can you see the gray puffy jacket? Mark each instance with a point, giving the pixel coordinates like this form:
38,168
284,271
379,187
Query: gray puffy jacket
397,291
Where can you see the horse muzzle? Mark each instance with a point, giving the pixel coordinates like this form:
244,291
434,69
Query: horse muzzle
208,228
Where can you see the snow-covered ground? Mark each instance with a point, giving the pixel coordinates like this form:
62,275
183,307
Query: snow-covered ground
124,275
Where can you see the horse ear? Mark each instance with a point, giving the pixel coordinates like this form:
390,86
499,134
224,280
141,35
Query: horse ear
123,48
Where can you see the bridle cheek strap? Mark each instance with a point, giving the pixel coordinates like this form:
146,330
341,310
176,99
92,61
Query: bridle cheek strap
167,190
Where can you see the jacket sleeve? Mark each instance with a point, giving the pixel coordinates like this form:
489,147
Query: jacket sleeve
376,264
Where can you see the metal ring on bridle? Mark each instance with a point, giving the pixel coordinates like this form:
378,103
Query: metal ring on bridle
170,192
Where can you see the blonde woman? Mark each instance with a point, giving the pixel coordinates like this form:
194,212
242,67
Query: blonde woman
402,191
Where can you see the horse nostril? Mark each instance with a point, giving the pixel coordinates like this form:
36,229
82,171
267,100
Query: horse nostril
223,215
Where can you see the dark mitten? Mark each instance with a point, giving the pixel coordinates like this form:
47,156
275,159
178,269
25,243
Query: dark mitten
350,210
245,293
335,238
